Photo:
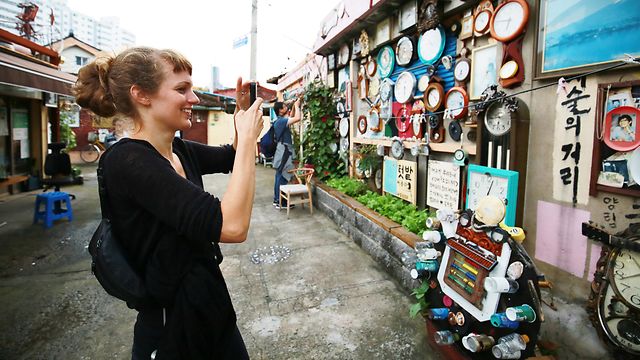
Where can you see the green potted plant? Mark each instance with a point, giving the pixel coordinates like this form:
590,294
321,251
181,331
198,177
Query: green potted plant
369,163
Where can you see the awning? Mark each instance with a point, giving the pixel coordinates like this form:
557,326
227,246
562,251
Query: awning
17,71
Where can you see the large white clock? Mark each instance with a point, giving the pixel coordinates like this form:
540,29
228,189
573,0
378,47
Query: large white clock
405,87
431,45
404,51
344,55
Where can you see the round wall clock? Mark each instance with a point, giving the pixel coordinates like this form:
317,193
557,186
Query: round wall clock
625,277
386,89
374,120
417,117
356,168
434,96
431,45
497,119
509,20
374,87
344,55
405,87
621,129
404,51
403,120
372,67
617,321
482,21
423,83
508,69
457,101
462,70
455,130
340,109
386,61
397,148
344,144
344,127
362,124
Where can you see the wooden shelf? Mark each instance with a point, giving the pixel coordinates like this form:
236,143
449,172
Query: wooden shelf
408,144
619,191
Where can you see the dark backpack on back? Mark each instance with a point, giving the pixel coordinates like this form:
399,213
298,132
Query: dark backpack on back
268,142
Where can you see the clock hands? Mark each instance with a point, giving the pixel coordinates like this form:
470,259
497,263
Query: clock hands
490,186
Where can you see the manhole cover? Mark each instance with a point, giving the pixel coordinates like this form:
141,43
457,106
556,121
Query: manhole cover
270,254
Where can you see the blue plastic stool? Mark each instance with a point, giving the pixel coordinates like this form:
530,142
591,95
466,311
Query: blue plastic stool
53,210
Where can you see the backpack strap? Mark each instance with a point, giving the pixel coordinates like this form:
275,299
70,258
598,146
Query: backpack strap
102,187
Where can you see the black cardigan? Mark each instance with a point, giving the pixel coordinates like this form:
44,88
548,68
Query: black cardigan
170,228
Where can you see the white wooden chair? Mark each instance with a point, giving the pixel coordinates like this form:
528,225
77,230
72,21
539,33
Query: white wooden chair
298,193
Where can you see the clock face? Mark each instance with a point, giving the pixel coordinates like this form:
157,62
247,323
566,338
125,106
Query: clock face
431,45
371,67
404,51
423,83
625,277
405,87
457,101
374,121
481,23
385,110
397,149
385,89
344,127
618,321
374,87
509,69
343,55
434,97
416,121
509,20
402,120
481,185
362,124
386,61
462,70
497,119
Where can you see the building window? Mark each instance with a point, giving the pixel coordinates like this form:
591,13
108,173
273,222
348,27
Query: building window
81,60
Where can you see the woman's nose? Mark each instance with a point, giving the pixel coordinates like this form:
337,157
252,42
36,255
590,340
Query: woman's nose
193,99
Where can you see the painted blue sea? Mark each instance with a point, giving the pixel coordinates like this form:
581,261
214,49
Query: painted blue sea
585,32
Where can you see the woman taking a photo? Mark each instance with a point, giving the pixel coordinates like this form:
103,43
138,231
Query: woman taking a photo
168,225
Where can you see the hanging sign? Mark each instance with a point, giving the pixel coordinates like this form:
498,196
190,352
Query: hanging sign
400,178
443,185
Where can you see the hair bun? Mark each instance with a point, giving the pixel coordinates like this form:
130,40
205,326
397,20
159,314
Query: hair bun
92,87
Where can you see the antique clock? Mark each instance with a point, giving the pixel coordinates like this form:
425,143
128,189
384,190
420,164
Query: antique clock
371,67
374,88
461,70
434,96
456,102
485,181
344,55
386,61
404,51
386,89
362,124
405,87
511,72
364,43
431,45
625,278
509,20
497,119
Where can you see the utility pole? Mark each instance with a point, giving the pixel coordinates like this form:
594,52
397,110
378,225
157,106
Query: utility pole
254,38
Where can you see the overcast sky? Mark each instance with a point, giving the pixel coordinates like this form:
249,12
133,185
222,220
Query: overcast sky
204,31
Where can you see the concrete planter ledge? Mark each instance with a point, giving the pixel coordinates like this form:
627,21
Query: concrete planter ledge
383,239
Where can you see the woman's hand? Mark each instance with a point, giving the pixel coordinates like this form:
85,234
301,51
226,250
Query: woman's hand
242,95
249,123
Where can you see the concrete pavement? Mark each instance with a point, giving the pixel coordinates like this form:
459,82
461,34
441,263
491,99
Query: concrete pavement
324,299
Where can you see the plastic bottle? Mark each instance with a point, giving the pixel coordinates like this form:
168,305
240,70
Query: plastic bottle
445,337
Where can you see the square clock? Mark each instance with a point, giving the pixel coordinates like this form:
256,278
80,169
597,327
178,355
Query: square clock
503,184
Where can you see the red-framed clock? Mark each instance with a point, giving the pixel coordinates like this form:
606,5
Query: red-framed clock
403,122
509,20
456,101
417,116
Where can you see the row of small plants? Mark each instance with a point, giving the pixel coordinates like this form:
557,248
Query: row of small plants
389,206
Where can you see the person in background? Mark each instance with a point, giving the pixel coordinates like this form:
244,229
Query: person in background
171,227
119,131
282,159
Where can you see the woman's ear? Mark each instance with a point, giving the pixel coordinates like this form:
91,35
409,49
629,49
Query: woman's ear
139,96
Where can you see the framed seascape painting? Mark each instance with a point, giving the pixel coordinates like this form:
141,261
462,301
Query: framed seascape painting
575,36
484,65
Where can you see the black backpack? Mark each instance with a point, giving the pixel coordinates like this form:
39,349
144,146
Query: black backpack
269,143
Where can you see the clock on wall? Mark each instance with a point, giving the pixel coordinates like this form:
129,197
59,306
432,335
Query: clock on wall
344,55
511,72
405,87
397,148
462,70
434,97
404,51
497,119
362,124
423,83
403,122
386,89
386,61
456,101
408,15
436,130
386,110
344,127
374,120
363,86
509,20
364,43
371,67
431,45
428,15
374,87
485,181
482,21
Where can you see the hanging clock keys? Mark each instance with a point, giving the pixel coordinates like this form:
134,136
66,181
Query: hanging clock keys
405,87
397,148
456,102
404,51
386,61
